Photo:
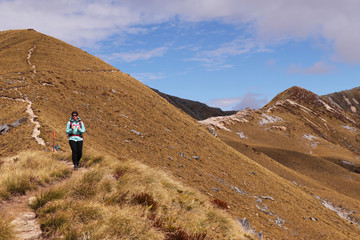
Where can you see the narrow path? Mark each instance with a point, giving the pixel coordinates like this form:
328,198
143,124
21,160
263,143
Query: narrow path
30,52
36,131
25,223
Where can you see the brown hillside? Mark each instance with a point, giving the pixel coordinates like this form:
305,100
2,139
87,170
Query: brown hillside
348,100
126,118
305,139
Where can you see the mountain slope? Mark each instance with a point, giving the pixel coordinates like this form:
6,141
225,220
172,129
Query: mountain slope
196,110
305,139
348,100
126,118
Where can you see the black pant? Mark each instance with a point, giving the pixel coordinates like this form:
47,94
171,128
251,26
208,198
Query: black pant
76,148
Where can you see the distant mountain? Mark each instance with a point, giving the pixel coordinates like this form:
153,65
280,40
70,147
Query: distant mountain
307,139
349,100
196,110
285,169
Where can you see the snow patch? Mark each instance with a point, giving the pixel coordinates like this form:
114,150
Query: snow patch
241,135
352,129
343,213
310,137
222,121
353,109
348,163
355,101
269,119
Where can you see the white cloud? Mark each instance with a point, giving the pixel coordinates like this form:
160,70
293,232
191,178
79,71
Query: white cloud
84,22
215,59
250,100
147,76
224,102
318,68
138,55
236,47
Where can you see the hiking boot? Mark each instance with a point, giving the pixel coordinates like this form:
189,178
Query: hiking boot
76,167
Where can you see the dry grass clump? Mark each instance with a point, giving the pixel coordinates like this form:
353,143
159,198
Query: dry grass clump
27,171
123,199
220,203
6,230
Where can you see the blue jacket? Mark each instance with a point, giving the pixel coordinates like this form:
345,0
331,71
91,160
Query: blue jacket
71,132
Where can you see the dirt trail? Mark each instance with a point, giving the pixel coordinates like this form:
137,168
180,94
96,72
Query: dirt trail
32,118
30,52
25,223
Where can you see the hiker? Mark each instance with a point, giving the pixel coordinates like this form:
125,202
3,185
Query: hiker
74,130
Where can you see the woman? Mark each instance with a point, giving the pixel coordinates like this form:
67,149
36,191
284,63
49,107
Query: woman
75,129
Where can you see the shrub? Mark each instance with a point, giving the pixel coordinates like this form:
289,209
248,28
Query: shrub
17,183
50,195
85,187
182,235
220,204
119,173
54,221
146,200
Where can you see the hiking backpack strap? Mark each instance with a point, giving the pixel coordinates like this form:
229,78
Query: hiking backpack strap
71,125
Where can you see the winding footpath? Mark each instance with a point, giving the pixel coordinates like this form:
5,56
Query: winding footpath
25,222
30,52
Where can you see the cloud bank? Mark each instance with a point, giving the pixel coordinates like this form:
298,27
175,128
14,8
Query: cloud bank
85,22
319,68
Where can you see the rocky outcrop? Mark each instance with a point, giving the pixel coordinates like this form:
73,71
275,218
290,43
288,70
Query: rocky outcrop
4,128
349,100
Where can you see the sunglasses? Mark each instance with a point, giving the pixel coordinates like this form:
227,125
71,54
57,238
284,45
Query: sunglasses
74,115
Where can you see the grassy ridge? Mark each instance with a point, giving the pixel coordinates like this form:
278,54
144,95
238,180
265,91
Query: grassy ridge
27,170
124,199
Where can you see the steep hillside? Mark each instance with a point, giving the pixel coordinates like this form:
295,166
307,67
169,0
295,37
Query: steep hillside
125,118
305,139
196,110
348,100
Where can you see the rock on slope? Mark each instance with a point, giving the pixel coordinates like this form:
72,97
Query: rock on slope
124,117
348,100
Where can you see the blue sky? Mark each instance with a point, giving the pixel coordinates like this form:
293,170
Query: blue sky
230,54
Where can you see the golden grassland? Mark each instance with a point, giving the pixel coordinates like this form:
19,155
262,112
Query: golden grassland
127,120
25,172
28,170
113,198
6,229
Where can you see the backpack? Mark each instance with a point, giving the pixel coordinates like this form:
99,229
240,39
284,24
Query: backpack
70,135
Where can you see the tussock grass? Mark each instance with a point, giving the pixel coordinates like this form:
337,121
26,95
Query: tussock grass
6,229
27,171
124,199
